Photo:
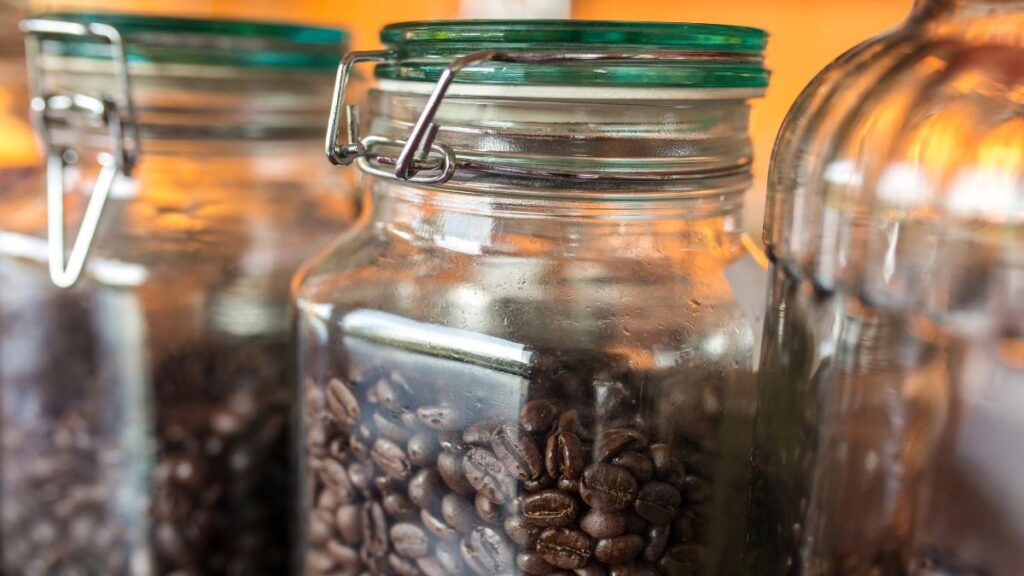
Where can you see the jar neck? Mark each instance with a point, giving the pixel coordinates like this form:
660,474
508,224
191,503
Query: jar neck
597,225
944,9
520,141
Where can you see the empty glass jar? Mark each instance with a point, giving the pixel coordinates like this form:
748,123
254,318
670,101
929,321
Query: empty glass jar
533,354
145,378
891,376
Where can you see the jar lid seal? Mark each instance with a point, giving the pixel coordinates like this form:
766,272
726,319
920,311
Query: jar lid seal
714,56
189,41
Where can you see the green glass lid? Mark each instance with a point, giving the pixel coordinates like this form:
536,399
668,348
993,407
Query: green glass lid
702,55
161,40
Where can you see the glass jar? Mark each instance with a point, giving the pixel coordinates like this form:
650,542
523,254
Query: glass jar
533,354
891,370
145,380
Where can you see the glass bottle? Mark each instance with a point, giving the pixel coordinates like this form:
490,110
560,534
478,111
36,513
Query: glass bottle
533,354
145,381
893,213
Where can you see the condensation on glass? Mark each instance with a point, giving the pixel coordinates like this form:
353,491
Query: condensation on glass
145,379
535,352
891,378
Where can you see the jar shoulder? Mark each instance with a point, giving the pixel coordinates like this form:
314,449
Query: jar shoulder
670,300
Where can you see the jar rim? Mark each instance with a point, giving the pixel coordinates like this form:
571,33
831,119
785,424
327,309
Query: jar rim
205,42
702,55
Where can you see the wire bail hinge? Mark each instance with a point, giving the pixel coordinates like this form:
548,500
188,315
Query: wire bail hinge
115,114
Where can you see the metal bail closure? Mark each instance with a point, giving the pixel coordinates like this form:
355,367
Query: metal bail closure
123,128
416,150
359,148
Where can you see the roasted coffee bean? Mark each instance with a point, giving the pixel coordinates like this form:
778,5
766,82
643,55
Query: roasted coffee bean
479,433
342,554
667,467
486,510
358,448
458,512
658,502
320,527
394,394
391,459
532,563
409,540
447,418
328,500
637,463
538,415
607,487
564,548
600,524
398,506
431,567
564,456
342,404
615,440
386,485
619,550
375,529
423,449
449,466
437,526
488,476
320,562
486,551
657,542
391,428
348,521
426,489
516,450
550,508
334,475
521,532
402,566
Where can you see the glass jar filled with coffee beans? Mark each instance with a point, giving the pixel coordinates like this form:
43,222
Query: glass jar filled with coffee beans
145,374
532,355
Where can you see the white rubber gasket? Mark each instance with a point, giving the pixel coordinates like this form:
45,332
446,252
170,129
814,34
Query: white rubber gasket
573,92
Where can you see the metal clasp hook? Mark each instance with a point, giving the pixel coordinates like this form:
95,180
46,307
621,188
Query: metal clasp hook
124,134
358,147
415,151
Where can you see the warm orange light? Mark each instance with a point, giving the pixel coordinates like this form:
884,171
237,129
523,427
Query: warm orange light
806,34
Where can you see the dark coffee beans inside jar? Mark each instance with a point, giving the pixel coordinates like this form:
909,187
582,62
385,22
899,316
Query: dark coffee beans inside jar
412,472
204,491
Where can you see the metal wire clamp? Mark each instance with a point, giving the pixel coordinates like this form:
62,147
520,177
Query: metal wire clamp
415,151
118,119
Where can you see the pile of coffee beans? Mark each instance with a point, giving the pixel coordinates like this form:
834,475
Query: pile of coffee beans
203,488
400,484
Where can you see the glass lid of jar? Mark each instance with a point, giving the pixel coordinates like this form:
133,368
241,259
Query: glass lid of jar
704,55
160,40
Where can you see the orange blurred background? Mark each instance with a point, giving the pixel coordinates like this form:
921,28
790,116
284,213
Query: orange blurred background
806,35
